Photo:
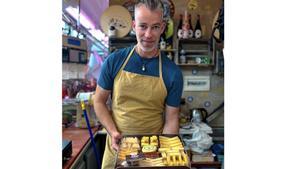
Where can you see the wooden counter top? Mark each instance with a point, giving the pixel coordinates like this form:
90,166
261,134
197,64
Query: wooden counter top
79,138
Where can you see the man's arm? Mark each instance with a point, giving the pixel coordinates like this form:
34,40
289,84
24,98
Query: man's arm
104,115
171,120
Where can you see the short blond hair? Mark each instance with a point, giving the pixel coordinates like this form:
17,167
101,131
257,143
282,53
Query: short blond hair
151,4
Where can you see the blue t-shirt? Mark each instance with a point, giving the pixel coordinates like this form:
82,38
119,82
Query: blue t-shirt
172,75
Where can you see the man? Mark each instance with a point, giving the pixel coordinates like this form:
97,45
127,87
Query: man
146,87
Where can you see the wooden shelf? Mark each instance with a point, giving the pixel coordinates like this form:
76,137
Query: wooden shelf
194,40
214,164
195,55
168,50
195,51
124,39
117,43
195,64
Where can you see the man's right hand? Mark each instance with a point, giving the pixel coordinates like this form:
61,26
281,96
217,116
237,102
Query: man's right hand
115,139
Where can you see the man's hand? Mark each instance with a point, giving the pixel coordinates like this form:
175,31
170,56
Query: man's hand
115,139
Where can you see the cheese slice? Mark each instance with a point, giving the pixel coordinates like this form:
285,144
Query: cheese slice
149,148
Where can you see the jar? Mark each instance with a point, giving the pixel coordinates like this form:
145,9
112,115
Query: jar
182,56
198,60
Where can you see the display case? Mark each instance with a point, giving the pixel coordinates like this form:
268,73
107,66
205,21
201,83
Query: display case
195,52
74,50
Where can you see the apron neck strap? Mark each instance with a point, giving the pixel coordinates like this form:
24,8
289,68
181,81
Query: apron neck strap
160,65
128,57
131,52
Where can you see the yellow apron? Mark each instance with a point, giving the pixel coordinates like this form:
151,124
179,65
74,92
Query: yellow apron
138,104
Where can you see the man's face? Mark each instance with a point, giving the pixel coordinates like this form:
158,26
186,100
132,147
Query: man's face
148,26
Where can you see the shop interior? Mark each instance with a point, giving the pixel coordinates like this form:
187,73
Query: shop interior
88,39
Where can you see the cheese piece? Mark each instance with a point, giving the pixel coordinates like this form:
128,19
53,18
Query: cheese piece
153,139
168,138
144,144
149,148
145,139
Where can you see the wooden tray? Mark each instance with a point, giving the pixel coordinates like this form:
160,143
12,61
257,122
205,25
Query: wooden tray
139,136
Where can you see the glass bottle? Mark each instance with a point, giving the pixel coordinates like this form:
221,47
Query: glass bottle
179,28
198,30
191,32
185,26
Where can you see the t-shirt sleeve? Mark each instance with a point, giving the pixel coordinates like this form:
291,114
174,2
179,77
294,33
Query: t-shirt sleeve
175,91
111,67
106,79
